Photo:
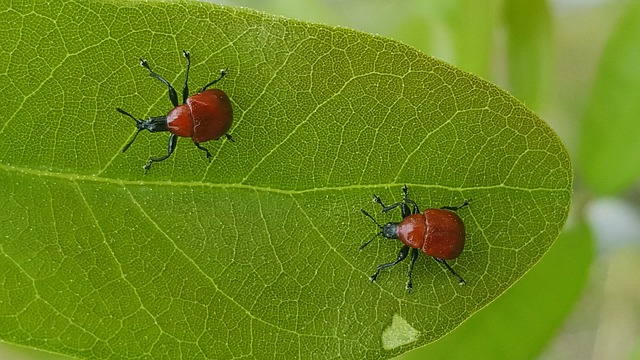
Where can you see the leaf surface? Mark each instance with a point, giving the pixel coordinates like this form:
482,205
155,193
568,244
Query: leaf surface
537,305
255,252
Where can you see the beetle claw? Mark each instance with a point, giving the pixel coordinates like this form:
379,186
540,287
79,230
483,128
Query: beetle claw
409,287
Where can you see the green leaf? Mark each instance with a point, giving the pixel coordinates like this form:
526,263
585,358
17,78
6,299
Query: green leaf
256,252
609,146
520,323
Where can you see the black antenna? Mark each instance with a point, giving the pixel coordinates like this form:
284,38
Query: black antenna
371,217
378,234
138,123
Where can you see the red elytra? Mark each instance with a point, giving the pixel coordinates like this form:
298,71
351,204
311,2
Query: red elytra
438,233
204,116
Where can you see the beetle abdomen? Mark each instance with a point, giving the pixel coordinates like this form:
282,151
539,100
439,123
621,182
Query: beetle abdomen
444,234
211,113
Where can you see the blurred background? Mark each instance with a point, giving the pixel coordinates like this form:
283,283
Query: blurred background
576,63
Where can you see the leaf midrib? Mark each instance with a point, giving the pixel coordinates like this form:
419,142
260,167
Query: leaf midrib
165,183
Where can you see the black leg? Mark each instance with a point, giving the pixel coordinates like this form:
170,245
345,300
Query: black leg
185,89
172,92
403,207
376,199
223,72
405,210
173,141
401,256
460,279
414,256
406,200
229,137
203,149
455,208
416,210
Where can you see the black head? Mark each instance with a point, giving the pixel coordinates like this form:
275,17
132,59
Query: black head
389,230
154,124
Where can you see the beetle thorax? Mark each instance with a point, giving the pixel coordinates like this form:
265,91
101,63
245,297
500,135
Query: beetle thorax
412,230
154,124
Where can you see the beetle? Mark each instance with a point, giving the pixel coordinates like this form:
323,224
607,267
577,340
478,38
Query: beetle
204,116
439,233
